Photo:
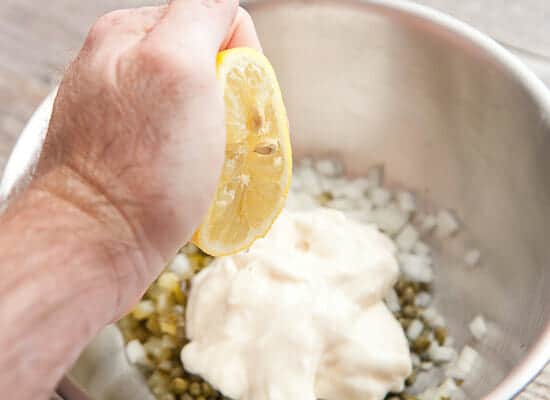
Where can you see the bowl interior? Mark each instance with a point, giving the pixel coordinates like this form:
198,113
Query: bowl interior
372,84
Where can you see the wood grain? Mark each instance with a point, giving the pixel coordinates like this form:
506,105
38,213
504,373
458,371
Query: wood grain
36,43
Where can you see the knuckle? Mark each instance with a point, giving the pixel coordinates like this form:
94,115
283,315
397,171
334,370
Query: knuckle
105,23
168,66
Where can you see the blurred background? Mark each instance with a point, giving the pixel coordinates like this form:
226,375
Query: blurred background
38,40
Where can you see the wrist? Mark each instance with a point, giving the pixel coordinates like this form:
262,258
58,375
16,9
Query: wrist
65,274
98,238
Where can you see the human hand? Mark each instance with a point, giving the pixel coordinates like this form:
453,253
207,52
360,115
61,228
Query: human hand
137,134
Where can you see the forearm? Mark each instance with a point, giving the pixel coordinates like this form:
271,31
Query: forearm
61,275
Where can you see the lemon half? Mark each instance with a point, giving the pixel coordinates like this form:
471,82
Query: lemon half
257,169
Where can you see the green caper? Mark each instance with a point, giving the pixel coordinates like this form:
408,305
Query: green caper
324,198
405,322
206,389
411,379
195,389
421,344
410,311
440,334
179,385
408,296
401,285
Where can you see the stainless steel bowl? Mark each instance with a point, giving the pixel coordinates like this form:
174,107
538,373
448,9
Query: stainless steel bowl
451,114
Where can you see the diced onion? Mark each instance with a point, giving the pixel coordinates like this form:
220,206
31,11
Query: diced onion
478,327
136,353
472,257
447,224
407,238
465,363
181,266
392,301
406,201
415,329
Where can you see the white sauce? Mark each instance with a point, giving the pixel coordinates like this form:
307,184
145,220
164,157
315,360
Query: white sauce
300,315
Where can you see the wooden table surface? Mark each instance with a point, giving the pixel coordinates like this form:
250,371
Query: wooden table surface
36,44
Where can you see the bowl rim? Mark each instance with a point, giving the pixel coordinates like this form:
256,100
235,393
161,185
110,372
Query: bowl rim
27,148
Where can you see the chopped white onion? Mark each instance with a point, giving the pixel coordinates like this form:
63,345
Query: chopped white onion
392,301
441,354
423,299
415,329
136,353
416,361
472,257
465,363
447,224
364,204
310,181
342,204
380,197
407,238
375,175
406,201
421,248
301,201
359,215
426,365
390,219
427,223
352,189
181,266
416,268
296,184
432,317
448,389
328,167
478,327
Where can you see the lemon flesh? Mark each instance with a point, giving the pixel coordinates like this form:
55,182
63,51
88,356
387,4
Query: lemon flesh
257,169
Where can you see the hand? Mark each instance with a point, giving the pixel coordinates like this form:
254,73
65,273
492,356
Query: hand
137,134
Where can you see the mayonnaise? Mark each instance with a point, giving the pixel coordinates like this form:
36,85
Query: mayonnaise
300,315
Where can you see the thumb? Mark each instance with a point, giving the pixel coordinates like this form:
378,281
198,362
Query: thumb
200,25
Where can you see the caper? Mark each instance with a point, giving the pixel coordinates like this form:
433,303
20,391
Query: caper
410,311
195,389
440,334
324,198
206,389
179,385
421,344
401,285
408,296
411,379
405,322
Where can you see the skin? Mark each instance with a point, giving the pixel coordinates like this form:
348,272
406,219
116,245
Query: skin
130,164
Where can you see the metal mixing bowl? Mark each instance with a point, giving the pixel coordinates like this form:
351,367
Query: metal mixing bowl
452,115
